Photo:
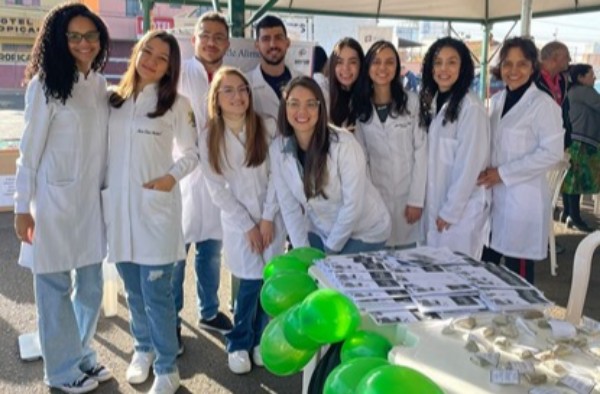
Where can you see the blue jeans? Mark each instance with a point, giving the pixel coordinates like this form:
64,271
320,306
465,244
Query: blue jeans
208,275
149,295
351,246
249,318
68,307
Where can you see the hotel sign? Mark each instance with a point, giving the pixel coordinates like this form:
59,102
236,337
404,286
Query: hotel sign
13,26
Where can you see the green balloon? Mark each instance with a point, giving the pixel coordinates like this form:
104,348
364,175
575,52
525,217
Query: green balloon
328,316
284,290
284,263
307,255
402,379
278,355
365,344
294,332
344,379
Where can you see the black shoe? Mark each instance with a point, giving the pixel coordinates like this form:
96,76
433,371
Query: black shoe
83,384
563,217
579,225
99,373
558,248
220,323
180,347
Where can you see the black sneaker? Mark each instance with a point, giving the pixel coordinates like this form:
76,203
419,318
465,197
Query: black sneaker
219,323
83,384
99,373
180,348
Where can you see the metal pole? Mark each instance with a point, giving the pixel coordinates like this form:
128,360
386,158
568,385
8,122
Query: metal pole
146,8
483,69
526,14
236,17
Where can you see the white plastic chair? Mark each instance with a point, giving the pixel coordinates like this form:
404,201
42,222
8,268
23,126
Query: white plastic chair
582,266
556,177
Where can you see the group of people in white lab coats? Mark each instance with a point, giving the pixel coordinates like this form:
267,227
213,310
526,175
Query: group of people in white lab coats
358,167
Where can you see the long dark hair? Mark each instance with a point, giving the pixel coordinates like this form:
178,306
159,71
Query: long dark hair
256,144
429,87
51,59
340,105
167,86
364,107
315,169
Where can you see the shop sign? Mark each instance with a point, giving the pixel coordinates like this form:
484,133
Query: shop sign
156,22
8,57
12,26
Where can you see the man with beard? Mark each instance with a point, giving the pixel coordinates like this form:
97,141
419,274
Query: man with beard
201,218
271,75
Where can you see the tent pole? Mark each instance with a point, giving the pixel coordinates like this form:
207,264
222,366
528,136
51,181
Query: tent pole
526,13
483,68
236,17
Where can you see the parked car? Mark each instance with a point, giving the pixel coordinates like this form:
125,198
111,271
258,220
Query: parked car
494,86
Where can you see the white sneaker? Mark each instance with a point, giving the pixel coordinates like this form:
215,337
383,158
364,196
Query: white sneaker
256,357
239,362
139,368
165,384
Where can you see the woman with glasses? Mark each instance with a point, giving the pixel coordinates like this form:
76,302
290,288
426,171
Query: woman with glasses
456,208
326,198
395,144
344,68
238,175
142,200
60,170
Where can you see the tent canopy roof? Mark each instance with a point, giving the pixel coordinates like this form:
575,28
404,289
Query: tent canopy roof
455,10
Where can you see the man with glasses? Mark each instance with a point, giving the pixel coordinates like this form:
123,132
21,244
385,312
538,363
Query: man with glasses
201,218
271,75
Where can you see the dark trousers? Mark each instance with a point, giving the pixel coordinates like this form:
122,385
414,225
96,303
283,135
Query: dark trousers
523,267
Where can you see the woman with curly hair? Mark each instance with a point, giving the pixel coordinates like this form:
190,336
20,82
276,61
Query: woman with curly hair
60,170
456,208
152,146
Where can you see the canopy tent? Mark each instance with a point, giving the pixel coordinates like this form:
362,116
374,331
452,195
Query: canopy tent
483,11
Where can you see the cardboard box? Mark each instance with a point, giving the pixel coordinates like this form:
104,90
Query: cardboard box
8,168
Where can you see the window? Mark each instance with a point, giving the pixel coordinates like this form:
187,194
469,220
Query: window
132,8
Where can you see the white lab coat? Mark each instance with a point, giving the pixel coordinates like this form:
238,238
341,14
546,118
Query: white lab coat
59,175
458,152
353,207
245,195
396,154
144,225
526,143
200,216
265,101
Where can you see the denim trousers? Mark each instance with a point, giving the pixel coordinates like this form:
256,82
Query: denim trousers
249,318
68,307
351,246
149,294
208,275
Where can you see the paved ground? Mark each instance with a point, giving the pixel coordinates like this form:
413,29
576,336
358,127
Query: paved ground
203,366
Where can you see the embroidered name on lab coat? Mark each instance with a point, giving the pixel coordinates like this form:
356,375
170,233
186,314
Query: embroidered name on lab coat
149,132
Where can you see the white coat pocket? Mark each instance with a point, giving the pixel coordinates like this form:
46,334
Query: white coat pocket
447,150
157,207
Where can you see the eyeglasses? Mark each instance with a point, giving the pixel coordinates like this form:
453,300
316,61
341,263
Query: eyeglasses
229,92
218,39
90,36
296,105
